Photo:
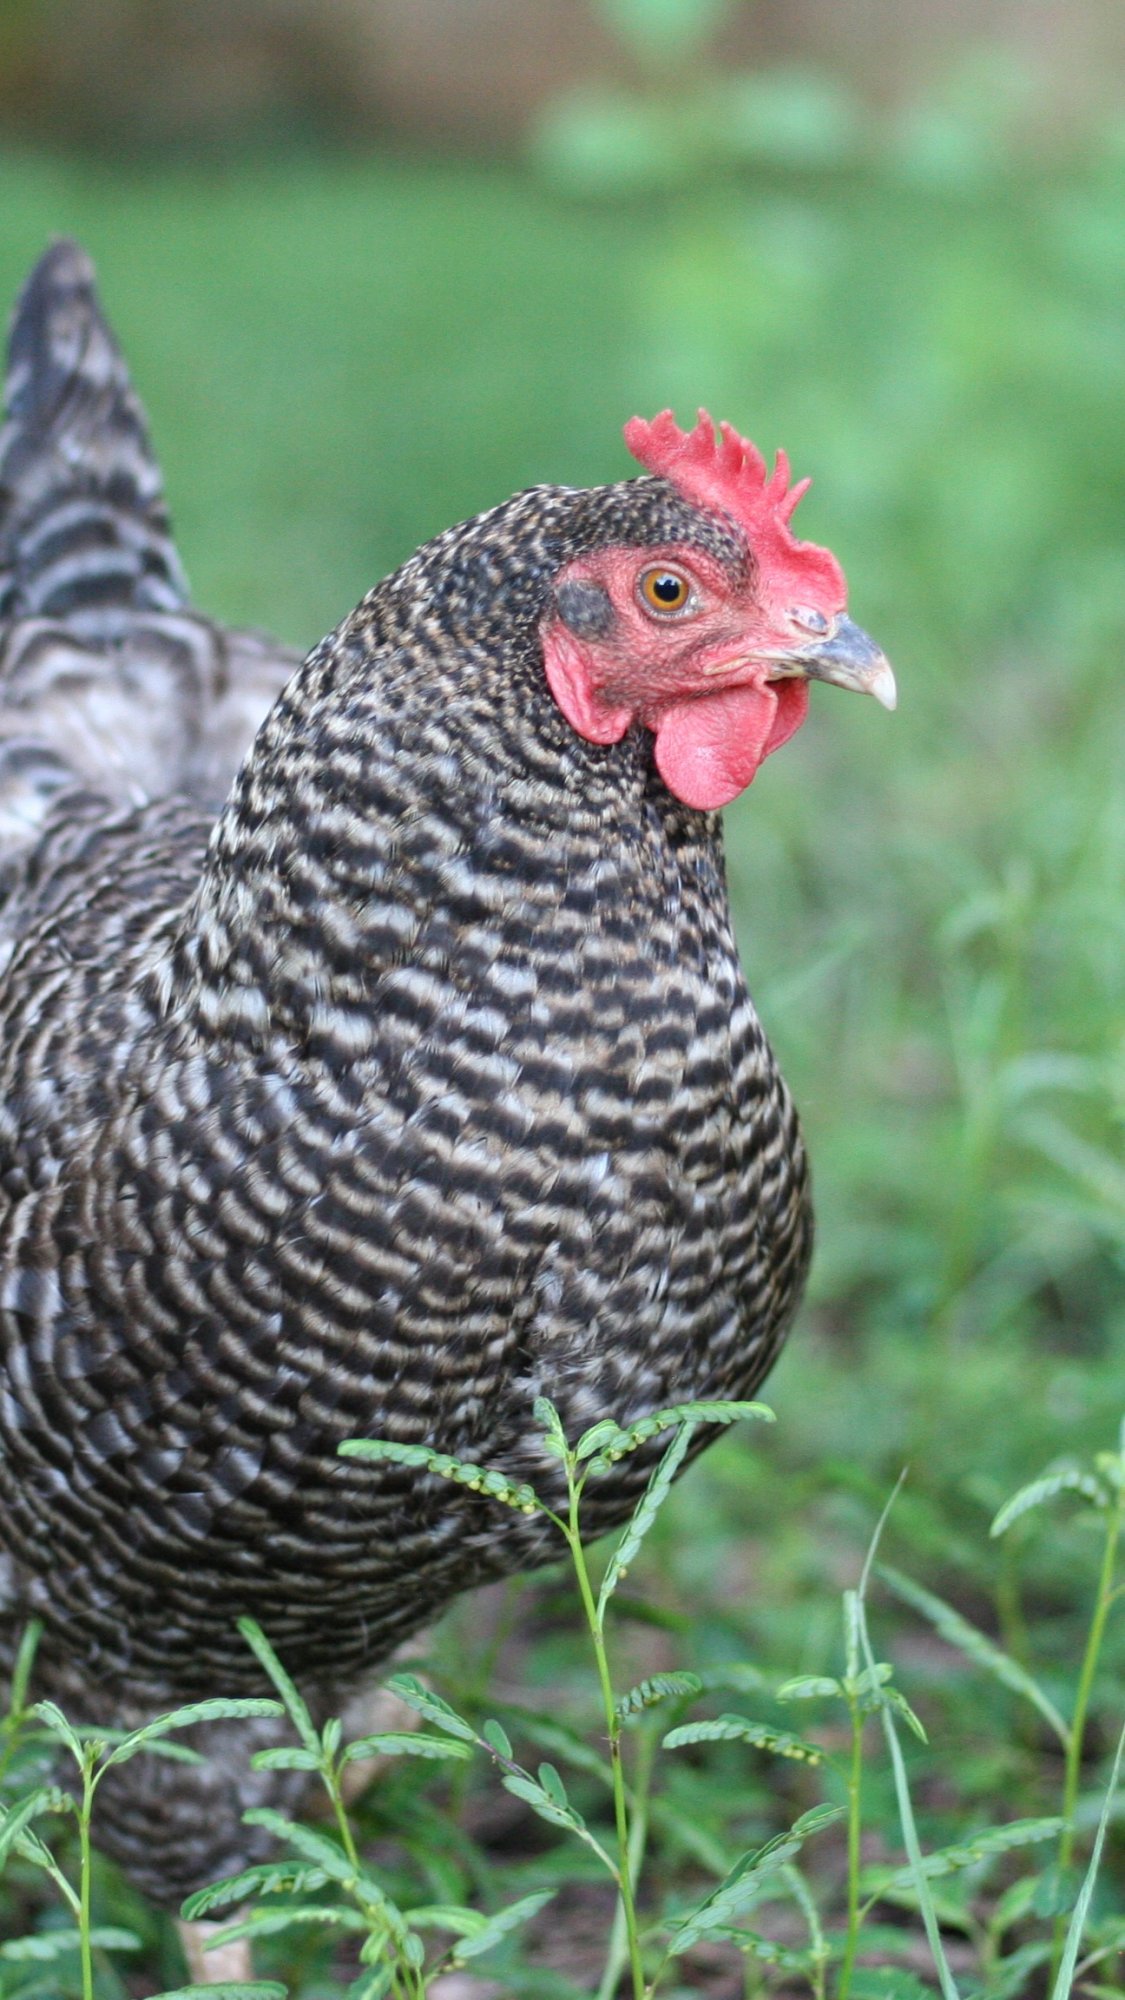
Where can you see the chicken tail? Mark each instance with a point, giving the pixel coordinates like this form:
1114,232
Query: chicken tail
84,529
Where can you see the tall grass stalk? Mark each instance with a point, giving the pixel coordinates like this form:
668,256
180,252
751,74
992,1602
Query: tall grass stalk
1062,1979
855,1836
902,1787
1076,1745
1104,1488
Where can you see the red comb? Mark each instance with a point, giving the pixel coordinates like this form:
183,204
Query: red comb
729,473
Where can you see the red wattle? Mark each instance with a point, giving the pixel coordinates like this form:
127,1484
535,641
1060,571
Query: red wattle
708,749
792,708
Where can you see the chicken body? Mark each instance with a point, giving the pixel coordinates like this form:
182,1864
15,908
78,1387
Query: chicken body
423,1081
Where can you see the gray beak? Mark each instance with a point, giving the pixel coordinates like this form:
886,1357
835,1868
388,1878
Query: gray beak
849,659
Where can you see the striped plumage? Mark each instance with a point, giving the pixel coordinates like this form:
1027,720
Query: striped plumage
423,1081
107,674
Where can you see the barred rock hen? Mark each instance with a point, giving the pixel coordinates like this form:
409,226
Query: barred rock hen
419,1081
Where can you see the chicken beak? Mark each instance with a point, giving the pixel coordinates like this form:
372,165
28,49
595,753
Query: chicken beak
848,658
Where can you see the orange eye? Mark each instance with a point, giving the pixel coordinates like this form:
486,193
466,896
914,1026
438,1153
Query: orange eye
664,590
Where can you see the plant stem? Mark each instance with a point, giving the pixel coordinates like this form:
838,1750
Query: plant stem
855,1797
85,1868
332,1784
1081,1707
343,1823
618,1954
752,1984
613,1732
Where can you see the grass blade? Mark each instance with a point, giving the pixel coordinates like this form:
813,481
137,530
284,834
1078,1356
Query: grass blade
975,1644
913,1846
294,1704
902,1789
1082,1906
22,1665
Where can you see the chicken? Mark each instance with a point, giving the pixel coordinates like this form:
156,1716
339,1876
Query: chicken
402,1076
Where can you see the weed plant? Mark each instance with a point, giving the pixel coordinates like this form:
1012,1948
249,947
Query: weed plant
1017,1920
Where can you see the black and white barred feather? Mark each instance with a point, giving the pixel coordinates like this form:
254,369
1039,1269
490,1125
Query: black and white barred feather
108,678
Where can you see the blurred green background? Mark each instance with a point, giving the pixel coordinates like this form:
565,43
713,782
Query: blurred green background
362,301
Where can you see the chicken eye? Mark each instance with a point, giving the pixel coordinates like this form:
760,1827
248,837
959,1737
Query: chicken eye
664,590
807,620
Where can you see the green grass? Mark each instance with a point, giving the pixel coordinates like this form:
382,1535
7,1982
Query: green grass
339,357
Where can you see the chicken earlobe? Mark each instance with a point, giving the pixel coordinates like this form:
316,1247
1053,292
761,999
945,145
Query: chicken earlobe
568,677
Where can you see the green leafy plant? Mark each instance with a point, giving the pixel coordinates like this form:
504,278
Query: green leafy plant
394,1940
593,1455
92,1753
321,1882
